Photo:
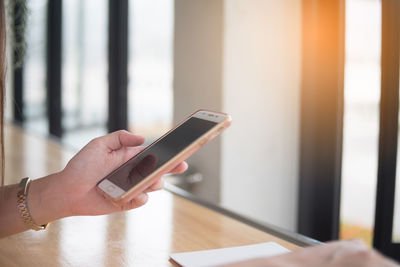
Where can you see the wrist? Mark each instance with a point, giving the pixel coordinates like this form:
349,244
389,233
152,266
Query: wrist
46,200
23,206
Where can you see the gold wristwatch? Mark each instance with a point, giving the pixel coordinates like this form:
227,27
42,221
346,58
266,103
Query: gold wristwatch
22,204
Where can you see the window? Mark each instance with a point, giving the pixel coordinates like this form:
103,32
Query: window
34,107
84,70
150,67
361,118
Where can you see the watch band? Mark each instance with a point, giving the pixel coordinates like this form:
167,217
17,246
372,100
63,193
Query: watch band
22,204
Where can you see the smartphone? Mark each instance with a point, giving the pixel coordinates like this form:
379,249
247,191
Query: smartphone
142,170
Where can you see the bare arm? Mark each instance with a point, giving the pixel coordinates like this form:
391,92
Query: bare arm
44,202
73,190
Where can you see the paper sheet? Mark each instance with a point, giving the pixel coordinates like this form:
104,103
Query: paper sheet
228,255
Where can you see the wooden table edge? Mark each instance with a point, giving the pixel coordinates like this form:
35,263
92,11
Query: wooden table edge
289,236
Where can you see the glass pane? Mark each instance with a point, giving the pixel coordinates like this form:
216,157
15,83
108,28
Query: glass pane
361,118
35,67
150,67
85,68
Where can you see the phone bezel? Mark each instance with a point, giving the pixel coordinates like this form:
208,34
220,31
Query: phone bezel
117,195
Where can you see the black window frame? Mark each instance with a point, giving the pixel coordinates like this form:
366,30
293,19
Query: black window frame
117,66
54,67
388,130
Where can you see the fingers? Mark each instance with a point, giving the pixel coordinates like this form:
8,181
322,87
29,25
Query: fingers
132,151
356,253
355,243
141,170
181,167
137,202
119,139
158,185
142,198
146,165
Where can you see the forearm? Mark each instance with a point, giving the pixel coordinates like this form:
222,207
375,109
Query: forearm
45,201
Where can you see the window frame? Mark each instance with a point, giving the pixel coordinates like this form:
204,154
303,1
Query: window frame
388,130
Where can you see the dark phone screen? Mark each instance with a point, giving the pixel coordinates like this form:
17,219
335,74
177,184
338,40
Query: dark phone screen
143,164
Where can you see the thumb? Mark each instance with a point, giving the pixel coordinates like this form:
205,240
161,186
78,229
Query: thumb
122,138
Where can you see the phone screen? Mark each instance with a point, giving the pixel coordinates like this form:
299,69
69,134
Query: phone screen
142,165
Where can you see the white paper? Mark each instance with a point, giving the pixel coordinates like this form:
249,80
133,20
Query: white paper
215,257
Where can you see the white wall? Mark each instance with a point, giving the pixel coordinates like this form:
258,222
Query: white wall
243,57
198,80
262,49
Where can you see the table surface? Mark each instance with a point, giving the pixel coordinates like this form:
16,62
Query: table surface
146,236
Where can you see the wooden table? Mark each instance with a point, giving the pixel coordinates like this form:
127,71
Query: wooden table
143,237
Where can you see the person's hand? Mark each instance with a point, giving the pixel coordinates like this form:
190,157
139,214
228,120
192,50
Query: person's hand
96,160
334,254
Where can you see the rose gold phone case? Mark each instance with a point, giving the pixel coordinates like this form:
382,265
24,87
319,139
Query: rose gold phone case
172,163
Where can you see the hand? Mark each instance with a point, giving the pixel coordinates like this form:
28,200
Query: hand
96,160
334,254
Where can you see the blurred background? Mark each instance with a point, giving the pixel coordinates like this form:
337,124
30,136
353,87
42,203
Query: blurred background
247,58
